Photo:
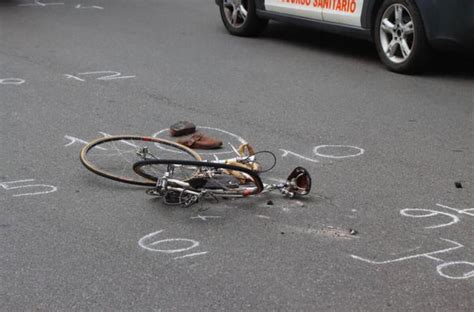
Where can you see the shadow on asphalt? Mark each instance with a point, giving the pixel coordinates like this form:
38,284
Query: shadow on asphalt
8,3
322,41
451,65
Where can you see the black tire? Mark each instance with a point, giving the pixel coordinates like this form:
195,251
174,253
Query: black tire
141,168
251,26
420,54
106,156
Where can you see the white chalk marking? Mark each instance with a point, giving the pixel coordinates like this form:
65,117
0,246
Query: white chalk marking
143,244
466,211
6,186
12,81
79,6
234,149
262,217
407,212
430,213
467,275
287,152
433,258
238,138
215,157
317,153
77,140
204,218
193,244
41,4
405,251
73,77
426,255
52,189
74,140
106,135
439,268
110,75
191,255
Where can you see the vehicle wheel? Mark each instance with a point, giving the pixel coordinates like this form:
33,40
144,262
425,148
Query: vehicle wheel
240,17
400,36
113,157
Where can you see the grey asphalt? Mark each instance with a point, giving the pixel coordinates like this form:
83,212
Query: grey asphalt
291,89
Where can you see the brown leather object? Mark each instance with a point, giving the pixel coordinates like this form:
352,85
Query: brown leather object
182,128
200,141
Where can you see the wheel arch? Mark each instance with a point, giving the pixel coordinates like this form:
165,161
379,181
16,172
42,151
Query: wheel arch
371,8
369,14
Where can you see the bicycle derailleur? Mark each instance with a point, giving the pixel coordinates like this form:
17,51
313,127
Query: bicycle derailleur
182,197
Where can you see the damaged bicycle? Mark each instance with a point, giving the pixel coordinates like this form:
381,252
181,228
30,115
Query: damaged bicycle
180,176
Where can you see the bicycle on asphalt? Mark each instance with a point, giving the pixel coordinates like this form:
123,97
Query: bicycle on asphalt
180,176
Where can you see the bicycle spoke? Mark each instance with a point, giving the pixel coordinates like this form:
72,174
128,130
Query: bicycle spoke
113,157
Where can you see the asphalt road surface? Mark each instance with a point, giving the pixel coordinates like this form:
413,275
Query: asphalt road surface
376,144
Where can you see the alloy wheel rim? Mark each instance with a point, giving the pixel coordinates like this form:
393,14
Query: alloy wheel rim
236,12
397,33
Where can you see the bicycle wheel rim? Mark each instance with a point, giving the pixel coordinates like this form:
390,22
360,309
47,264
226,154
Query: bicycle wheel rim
140,168
116,163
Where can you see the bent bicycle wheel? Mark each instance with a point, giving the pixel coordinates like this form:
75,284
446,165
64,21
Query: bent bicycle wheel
218,179
113,157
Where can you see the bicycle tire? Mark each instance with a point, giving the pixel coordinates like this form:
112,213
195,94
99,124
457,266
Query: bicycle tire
100,142
139,168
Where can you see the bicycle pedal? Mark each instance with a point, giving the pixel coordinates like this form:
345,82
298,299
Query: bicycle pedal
172,198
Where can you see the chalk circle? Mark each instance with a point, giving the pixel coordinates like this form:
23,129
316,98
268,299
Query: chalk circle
239,139
12,81
316,152
467,275
143,243
193,244
430,213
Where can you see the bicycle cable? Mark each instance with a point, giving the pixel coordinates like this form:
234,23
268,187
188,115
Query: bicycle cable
274,160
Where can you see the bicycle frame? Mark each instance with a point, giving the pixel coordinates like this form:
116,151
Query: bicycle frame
243,167
188,195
